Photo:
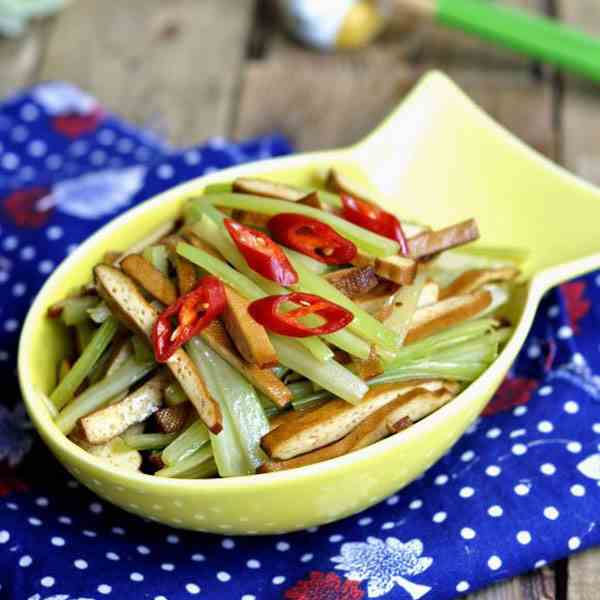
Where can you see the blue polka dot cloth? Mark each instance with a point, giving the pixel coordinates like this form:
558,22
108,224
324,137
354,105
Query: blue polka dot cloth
519,490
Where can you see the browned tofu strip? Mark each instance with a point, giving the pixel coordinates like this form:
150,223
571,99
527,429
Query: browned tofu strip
263,379
110,257
270,189
470,281
312,199
106,423
372,429
120,291
430,319
249,337
184,269
354,281
396,268
380,300
400,425
333,420
369,367
150,278
432,242
172,418
250,219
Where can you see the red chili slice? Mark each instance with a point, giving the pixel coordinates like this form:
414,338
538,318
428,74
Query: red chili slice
193,312
374,218
262,254
267,311
311,237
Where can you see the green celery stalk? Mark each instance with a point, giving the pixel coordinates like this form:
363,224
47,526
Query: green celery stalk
300,389
84,364
75,309
366,240
240,400
363,324
186,443
218,188
313,265
406,305
158,256
99,313
100,393
433,369
268,407
100,368
196,465
141,349
175,395
84,332
330,375
148,441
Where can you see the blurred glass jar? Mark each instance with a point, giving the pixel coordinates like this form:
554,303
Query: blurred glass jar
334,24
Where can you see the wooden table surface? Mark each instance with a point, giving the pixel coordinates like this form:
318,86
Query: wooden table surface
192,69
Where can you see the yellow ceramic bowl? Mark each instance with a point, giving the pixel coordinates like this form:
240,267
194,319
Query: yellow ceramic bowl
437,159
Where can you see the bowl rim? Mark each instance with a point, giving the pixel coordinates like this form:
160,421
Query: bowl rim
34,404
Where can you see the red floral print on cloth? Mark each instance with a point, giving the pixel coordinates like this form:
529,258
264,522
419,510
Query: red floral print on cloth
325,586
514,391
74,125
9,482
25,209
576,304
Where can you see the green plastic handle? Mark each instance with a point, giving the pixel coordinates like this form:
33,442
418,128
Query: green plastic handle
539,37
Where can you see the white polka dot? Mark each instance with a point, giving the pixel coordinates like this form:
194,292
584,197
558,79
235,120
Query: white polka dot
167,567
494,563
462,586
574,543
467,456
11,325
80,564
545,427
467,533
19,133
388,525
137,577
545,390
306,557
578,490
392,500
27,253
553,311
112,556
466,492
539,563
571,407
159,598
47,582
439,517
574,447
34,521
25,561
493,471
165,171
98,157
12,506
89,533
565,332
550,512
519,411
284,546
198,557
336,538
57,541
124,145
79,148
45,266
3,355
365,521
143,549
415,504
37,148
103,588
192,588
524,537
228,544
27,173
248,597
29,112
54,161
10,242
493,433
223,576
441,479
534,351
4,276
495,511
278,579
173,539
253,564
118,531
521,489
10,161
96,508
19,289
192,157
71,248
519,449
106,137
548,469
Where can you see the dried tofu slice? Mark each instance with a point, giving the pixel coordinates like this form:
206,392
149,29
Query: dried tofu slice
354,281
475,279
429,243
270,189
150,278
172,418
396,268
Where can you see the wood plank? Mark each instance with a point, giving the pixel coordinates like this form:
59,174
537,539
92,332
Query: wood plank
20,57
534,586
173,66
584,576
580,122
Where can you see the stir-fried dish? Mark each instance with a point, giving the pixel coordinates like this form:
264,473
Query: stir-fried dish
273,327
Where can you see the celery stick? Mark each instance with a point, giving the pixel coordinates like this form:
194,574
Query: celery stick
244,286
198,464
441,341
363,324
240,399
99,369
100,393
84,332
158,256
331,375
141,349
187,442
99,313
75,310
268,407
175,395
300,389
482,349
218,188
148,441
366,240
84,364
312,400
279,371
432,369
406,305
313,265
